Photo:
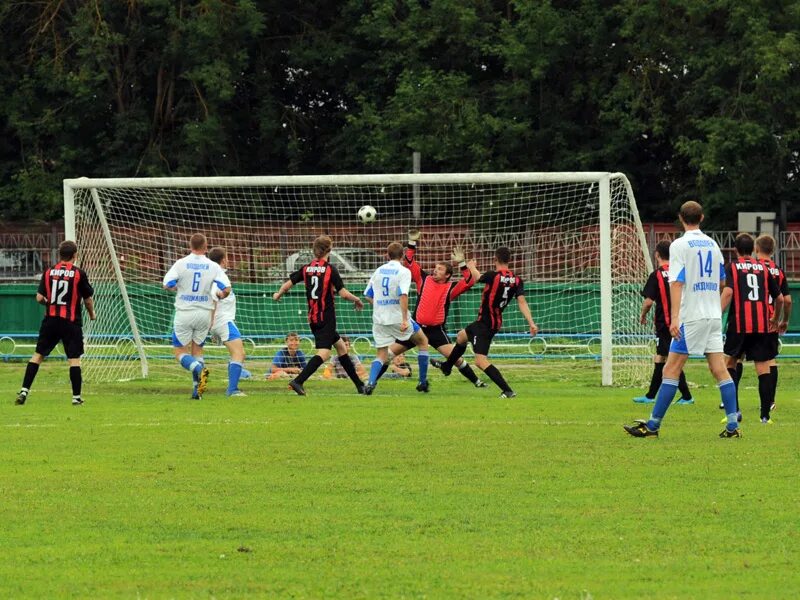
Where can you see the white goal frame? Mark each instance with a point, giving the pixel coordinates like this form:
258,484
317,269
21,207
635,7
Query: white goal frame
602,179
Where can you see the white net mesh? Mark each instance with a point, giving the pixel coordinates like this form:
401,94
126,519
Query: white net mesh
552,228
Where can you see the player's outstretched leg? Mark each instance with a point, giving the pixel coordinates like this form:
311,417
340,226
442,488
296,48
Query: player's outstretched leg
350,369
314,363
466,371
458,352
482,361
347,365
378,368
463,366
27,381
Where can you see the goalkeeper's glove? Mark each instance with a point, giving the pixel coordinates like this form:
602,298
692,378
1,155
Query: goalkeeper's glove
413,237
458,257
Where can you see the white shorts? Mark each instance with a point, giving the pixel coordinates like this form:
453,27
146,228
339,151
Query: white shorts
699,337
190,326
226,331
385,335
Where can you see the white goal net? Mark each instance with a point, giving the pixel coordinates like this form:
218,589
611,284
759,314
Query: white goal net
576,241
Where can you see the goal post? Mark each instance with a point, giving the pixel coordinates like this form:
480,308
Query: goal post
576,241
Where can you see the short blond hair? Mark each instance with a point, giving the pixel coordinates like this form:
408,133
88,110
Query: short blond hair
765,244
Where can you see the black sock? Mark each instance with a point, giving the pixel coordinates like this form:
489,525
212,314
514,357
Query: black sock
495,376
739,370
30,375
735,377
764,393
467,372
312,365
774,372
76,380
684,387
383,370
455,354
655,380
350,369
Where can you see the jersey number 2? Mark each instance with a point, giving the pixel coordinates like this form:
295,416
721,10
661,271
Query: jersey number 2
58,292
314,286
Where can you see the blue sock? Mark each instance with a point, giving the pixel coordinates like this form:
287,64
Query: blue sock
727,389
190,363
186,361
663,399
422,361
234,373
375,371
196,368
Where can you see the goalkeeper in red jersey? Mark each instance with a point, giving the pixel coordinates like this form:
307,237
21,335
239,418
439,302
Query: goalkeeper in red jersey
435,292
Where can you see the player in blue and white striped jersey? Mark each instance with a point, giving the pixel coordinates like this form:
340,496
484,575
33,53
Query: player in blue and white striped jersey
195,279
224,328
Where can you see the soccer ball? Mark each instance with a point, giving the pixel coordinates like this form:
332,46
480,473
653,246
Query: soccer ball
367,213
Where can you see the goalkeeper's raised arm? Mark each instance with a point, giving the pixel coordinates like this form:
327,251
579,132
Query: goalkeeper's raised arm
469,272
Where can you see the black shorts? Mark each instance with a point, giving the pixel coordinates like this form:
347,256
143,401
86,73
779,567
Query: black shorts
436,335
325,335
758,347
56,329
480,336
407,344
664,340
774,343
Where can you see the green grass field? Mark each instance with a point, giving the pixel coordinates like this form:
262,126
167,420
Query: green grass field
141,493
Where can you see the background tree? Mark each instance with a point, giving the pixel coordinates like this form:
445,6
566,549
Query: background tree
689,99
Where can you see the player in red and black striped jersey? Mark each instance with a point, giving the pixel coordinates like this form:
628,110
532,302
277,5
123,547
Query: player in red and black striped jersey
61,291
435,292
656,293
322,282
765,248
501,287
750,321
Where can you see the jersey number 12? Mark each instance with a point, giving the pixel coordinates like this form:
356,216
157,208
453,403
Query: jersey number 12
58,292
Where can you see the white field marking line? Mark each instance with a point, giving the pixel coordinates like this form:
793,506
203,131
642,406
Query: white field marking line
134,424
521,422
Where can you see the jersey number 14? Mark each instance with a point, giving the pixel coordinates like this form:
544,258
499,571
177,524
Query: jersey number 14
706,268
